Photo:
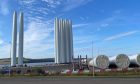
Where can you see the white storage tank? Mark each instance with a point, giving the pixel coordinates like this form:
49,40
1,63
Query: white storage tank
135,59
121,61
100,61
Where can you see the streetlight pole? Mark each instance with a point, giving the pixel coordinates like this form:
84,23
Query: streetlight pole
10,63
92,58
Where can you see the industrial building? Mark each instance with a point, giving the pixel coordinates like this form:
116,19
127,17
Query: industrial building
20,40
63,41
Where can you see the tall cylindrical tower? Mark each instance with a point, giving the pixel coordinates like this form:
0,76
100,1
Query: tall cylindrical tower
67,40
63,41
56,40
14,40
71,41
21,41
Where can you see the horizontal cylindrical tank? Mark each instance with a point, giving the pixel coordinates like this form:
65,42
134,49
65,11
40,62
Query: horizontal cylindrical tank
135,59
121,60
100,61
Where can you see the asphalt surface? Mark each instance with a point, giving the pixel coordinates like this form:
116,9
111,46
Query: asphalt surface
72,80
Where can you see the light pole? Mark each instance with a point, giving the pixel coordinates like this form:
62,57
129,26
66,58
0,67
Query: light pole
10,61
92,57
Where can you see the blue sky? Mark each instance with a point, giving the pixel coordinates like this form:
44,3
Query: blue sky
112,25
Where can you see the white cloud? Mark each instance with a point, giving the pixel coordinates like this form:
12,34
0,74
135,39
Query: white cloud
80,25
104,25
39,42
82,39
1,41
66,4
4,9
27,1
84,18
37,39
33,10
5,50
120,35
36,32
53,3
83,51
38,35
1,32
71,4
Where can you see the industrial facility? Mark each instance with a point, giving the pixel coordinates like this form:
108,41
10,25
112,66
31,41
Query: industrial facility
64,56
64,48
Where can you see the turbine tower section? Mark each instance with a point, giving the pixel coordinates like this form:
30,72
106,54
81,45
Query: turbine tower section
67,41
63,41
21,40
57,46
14,40
71,41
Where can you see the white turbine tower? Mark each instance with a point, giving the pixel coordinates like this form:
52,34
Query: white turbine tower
14,40
21,38
63,41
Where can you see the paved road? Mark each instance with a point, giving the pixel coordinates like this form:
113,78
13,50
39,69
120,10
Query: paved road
62,80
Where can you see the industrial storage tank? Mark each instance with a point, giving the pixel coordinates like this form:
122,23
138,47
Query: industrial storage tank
121,61
135,59
100,61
